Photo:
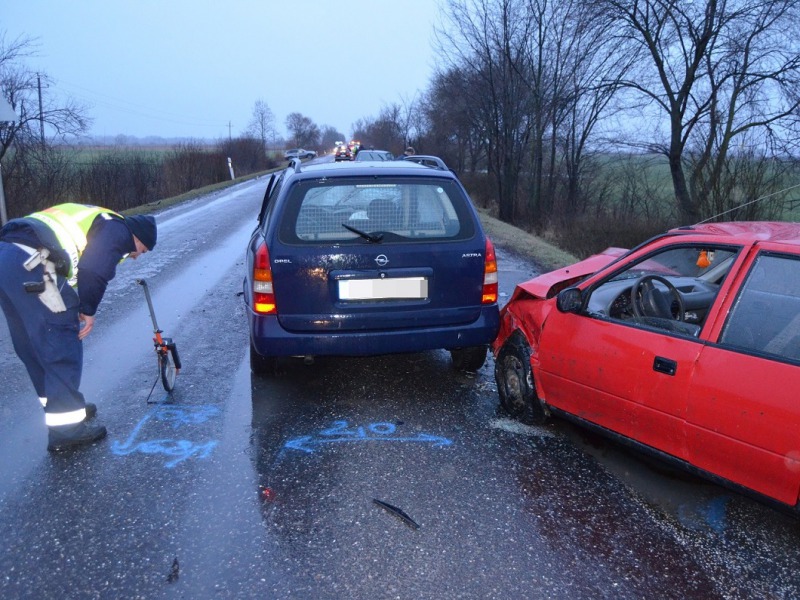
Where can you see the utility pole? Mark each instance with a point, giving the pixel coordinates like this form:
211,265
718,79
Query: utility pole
3,211
229,131
7,115
41,111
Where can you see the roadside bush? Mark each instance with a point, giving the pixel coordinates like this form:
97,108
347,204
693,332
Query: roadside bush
190,166
120,180
247,154
621,213
481,190
587,235
35,178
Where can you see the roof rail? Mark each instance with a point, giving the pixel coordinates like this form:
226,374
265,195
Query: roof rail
294,163
428,160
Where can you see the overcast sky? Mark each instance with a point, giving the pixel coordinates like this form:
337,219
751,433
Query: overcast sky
191,68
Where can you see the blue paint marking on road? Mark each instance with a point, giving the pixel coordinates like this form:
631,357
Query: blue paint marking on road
374,432
715,513
709,514
176,417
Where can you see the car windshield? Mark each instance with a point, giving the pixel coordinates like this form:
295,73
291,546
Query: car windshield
686,261
337,210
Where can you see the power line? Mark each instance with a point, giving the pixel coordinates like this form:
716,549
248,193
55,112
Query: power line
134,108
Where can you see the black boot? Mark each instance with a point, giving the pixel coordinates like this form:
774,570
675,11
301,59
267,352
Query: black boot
65,436
91,410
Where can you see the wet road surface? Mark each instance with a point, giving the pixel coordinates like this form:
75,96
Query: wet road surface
248,487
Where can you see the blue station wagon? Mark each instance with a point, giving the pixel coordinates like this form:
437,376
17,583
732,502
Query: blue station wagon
359,259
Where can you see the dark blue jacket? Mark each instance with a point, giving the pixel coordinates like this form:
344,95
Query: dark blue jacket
107,242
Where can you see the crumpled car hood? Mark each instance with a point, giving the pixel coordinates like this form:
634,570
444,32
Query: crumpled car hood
549,284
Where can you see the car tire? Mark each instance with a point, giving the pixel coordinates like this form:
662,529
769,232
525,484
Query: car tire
515,386
470,358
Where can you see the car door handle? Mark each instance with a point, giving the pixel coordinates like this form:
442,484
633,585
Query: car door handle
665,365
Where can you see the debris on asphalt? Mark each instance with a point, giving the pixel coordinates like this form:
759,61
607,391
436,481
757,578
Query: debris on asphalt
397,512
174,572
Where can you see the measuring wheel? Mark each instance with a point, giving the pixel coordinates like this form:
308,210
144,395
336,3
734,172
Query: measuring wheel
168,364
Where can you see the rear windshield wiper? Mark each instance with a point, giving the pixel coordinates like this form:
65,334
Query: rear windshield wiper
367,236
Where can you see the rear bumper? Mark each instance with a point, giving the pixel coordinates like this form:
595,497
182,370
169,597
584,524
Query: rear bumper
270,339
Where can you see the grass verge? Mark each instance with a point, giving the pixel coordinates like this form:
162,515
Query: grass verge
522,243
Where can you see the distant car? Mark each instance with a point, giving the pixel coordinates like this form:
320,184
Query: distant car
299,153
434,162
368,258
342,153
428,161
686,347
374,155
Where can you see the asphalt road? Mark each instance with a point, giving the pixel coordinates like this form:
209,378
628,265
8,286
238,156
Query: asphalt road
382,477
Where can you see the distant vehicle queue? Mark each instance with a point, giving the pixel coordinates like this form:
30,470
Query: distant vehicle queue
352,150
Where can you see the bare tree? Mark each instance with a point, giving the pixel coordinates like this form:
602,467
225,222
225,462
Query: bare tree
329,136
388,131
452,129
712,72
303,132
575,72
409,119
20,87
34,173
487,41
262,124
538,75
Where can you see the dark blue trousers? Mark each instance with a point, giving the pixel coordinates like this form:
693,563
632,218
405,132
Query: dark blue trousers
46,342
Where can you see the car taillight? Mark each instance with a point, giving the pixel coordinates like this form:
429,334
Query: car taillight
489,275
263,294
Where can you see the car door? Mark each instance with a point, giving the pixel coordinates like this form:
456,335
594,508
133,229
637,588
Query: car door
631,373
626,379
743,416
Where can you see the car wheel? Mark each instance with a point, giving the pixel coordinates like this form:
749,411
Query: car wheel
469,359
514,378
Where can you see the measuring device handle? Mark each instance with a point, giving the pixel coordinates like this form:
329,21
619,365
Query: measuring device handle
143,283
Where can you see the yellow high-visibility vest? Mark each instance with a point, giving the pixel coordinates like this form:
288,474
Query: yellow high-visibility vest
71,223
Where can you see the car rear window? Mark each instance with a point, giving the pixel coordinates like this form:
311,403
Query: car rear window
402,209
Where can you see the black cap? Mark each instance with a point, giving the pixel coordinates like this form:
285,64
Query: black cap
144,228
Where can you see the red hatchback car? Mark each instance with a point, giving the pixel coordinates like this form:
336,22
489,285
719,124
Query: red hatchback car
687,347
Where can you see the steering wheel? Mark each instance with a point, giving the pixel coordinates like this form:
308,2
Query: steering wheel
649,301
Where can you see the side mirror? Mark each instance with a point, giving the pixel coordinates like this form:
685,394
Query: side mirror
569,300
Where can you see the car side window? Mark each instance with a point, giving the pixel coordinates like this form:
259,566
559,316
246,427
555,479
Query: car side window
765,317
671,290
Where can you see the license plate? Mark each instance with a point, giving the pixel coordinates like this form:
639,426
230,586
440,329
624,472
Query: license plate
383,289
